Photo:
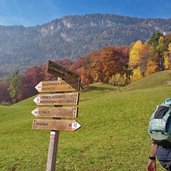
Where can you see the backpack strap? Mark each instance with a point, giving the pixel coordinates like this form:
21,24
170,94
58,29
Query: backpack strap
166,116
165,119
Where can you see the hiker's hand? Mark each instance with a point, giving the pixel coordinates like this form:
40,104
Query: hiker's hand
151,166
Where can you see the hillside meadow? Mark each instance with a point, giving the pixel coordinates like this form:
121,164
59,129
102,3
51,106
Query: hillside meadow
113,136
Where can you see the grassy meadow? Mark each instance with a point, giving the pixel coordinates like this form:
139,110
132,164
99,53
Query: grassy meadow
113,136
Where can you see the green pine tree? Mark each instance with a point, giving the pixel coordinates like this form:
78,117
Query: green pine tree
14,87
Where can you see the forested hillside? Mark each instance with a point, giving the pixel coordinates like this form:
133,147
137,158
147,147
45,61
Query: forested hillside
115,65
70,37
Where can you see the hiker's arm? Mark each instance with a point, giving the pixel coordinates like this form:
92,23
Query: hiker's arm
151,166
153,150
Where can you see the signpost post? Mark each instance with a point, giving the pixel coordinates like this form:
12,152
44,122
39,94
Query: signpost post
63,99
53,147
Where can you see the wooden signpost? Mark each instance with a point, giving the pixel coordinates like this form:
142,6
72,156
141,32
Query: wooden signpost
57,99
56,112
60,71
55,124
54,86
62,99
70,77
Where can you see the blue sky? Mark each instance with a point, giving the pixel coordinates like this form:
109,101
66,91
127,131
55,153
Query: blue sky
34,12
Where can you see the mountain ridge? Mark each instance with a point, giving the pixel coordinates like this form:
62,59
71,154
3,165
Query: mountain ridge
70,37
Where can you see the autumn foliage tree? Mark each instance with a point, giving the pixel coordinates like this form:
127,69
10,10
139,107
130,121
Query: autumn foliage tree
147,54
160,43
152,66
5,97
166,63
30,78
135,54
101,65
150,57
118,80
136,75
135,60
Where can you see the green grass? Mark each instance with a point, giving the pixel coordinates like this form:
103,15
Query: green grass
113,136
155,80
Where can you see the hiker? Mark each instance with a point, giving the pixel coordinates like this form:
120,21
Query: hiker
163,155
160,132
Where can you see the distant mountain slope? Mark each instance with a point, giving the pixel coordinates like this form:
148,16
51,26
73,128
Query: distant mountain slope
70,36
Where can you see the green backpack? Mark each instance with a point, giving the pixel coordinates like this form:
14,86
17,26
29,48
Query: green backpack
160,122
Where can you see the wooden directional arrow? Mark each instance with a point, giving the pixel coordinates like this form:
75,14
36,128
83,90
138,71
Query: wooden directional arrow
58,112
57,99
59,71
65,125
54,86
